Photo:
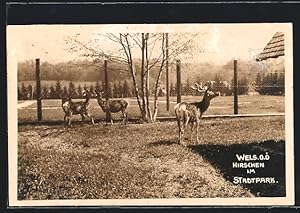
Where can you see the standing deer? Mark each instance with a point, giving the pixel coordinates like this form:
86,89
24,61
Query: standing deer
112,106
77,108
192,112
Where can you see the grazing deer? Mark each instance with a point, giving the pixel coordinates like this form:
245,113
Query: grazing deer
77,108
112,106
192,112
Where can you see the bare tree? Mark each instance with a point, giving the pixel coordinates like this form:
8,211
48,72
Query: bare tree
142,51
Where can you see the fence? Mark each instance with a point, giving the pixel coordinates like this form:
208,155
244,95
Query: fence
248,91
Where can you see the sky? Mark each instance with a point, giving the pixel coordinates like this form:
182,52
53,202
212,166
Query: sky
221,42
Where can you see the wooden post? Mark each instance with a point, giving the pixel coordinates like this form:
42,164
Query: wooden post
167,72
106,80
235,89
178,81
38,90
106,85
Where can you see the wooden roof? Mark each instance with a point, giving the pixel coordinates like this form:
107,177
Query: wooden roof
274,48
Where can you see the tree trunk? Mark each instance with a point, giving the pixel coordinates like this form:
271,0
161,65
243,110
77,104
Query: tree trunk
138,98
155,112
147,98
147,81
132,71
155,104
143,111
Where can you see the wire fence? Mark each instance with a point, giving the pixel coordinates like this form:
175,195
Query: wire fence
259,92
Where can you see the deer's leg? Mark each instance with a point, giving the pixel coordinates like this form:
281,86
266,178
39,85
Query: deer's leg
192,128
180,130
124,117
186,119
197,127
109,118
69,118
90,117
178,124
82,116
65,117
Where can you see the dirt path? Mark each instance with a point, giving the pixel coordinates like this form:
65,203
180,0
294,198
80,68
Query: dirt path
25,104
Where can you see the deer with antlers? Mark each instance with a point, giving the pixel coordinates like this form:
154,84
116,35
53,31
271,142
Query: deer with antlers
112,106
192,112
77,108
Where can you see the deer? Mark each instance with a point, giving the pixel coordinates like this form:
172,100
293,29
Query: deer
112,106
77,108
192,112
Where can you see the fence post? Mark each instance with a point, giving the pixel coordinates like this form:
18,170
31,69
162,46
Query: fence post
167,72
235,89
38,90
178,81
106,86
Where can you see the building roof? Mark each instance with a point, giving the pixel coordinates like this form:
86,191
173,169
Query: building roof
274,48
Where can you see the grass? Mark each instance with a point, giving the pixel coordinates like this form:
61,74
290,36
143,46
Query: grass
144,160
220,105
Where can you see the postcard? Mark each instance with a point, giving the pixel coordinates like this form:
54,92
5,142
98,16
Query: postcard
150,114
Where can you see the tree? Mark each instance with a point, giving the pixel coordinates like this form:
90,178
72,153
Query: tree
23,92
172,89
45,93
34,93
79,91
52,92
126,89
110,90
92,88
151,50
271,84
120,89
258,82
58,89
115,90
281,84
98,87
243,86
85,87
64,92
221,85
72,90
187,87
29,92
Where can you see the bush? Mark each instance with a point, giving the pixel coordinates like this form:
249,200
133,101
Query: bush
270,84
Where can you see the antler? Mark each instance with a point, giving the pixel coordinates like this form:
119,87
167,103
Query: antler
209,84
199,88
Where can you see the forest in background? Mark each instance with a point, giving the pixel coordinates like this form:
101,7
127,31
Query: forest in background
71,78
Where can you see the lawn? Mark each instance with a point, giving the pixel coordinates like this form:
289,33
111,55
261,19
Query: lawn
255,104
145,161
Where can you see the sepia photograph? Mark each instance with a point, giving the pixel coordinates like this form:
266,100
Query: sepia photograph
150,114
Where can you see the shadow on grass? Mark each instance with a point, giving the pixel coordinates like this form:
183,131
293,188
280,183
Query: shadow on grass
222,158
